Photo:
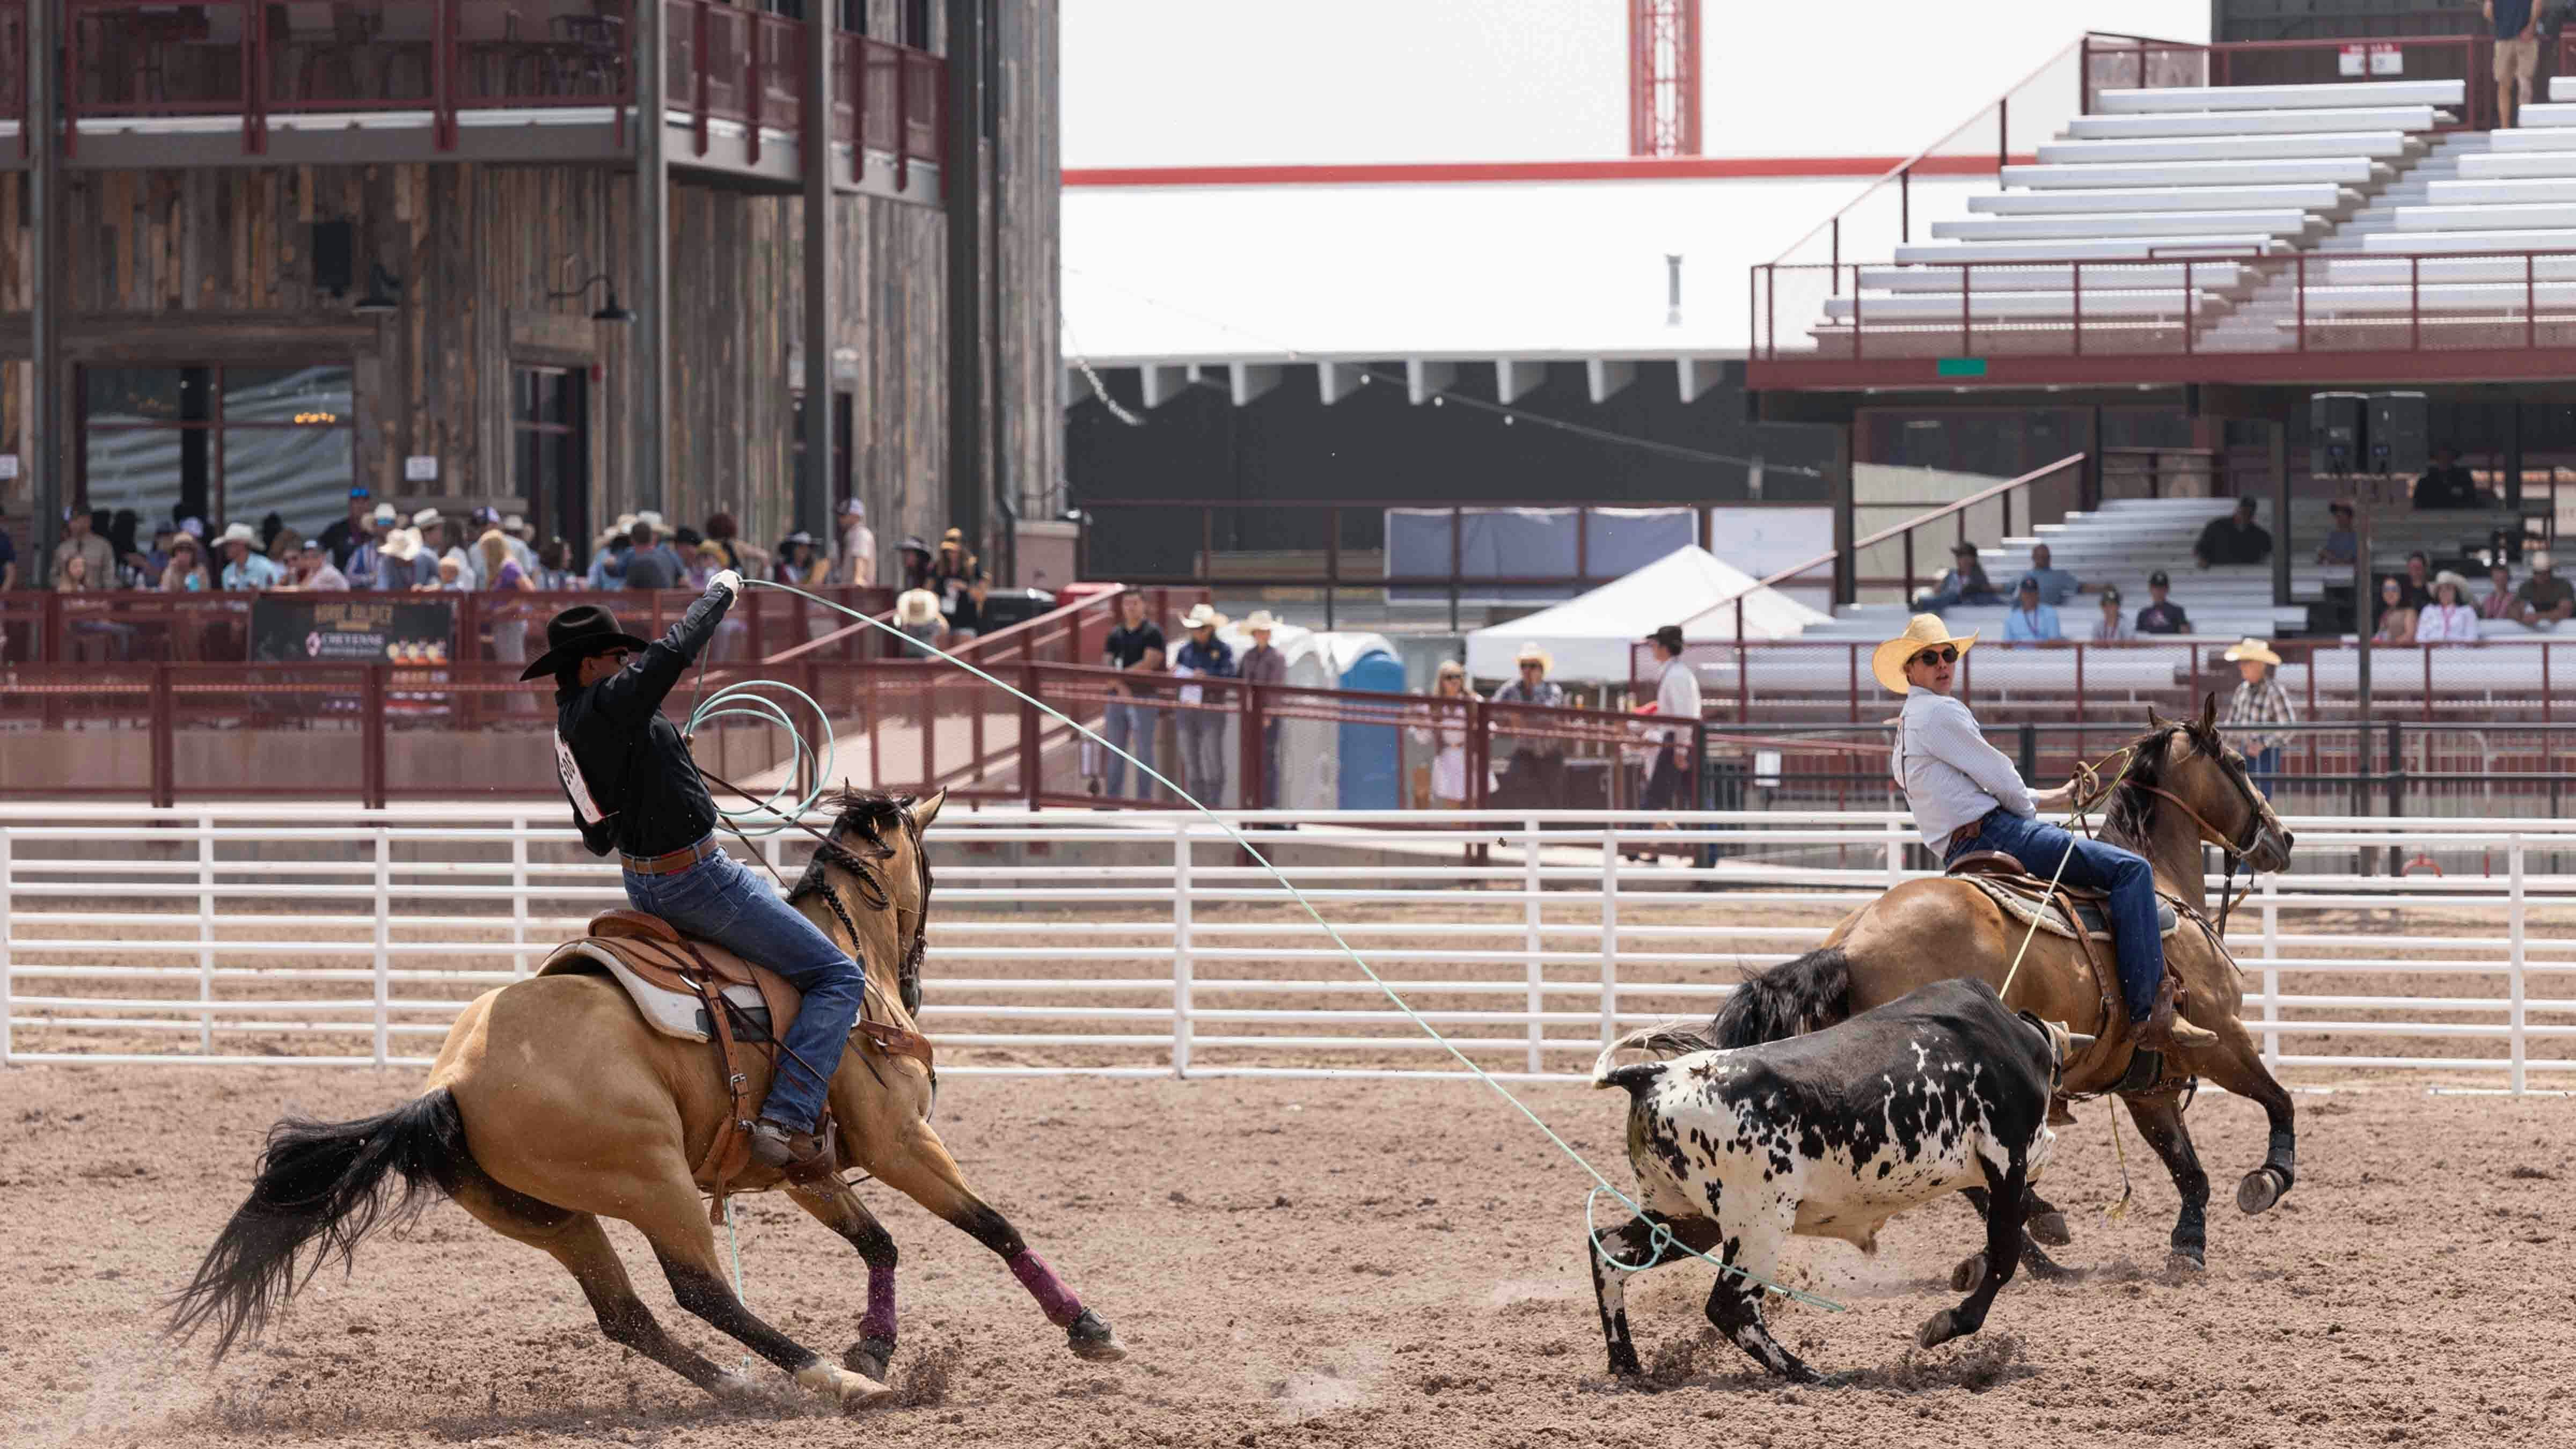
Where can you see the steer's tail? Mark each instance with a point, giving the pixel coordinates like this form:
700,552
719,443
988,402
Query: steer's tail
322,1185
1636,1077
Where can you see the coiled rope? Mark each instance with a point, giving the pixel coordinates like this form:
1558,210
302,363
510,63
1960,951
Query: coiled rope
1663,1237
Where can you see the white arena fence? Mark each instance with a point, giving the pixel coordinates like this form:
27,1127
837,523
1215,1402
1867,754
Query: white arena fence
1144,943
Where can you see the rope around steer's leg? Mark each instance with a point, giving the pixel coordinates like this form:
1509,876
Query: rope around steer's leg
1347,949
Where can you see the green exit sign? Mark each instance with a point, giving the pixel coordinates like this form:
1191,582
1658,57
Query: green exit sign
1960,367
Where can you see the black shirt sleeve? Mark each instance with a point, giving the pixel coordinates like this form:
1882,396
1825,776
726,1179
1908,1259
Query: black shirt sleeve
633,694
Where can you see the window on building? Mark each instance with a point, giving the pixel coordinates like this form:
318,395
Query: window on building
222,444
550,452
837,485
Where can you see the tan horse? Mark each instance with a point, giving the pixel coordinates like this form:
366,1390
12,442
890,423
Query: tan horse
2185,788
553,1105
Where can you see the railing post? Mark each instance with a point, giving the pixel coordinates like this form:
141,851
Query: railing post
206,931
1895,829
2515,962
1029,722
1610,934
384,937
2271,971
1533,940
1181,963
519,894
2415,303
165,743
8,961
1254,767
2530,311
371,739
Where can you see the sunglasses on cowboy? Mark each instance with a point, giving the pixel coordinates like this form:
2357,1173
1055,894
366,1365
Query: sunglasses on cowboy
1943,655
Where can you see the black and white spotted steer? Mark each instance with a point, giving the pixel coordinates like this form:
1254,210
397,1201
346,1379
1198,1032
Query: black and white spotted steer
1830,1135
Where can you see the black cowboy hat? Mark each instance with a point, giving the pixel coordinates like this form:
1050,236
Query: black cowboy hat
578,633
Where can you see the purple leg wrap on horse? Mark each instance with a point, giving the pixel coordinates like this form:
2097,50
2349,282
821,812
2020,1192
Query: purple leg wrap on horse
1054,1299
879,1322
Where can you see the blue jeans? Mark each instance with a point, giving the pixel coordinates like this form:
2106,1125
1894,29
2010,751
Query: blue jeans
1203,755
720,899
2039,846
2266,768
1129,726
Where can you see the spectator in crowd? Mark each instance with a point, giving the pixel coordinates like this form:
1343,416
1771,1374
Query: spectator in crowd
514,532
2161,615
2545,597
2517,54
1668,779
1964,583
314,571
2396,616
1129,721
740,557
245,567
94,640
1533,769
508,614
2446,484
81,540
2031,622
8,561
2448,619
271,524
456,543
282,548
858,546
1202,731
967,622
366,563
1264,664
554,567
2257,709
186,573
2418,582
951,571
451,579
663,544
608,555
914,557
1445,729
916,617
2342,546
401,563
2056,585
2113,626
705,562
347,533
2235,539
797,564
141,568
124,539
647,567
2499,602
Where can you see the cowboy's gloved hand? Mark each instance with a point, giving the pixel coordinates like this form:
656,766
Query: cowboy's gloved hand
729,581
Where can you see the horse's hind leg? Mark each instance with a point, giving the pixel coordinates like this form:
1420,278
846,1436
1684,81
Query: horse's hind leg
837,1207
577,1241
916,1163
2042,1222
2159,1120
2237,1065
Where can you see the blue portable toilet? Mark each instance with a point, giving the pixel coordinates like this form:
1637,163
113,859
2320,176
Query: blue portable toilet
1372,755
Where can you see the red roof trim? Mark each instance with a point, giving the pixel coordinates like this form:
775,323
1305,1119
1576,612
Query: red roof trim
1677,168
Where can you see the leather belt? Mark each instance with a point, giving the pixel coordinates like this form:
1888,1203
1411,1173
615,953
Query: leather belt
1963,835
673,863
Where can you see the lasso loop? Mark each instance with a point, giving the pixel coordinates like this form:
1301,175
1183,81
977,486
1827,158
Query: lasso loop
743,701
1663,1238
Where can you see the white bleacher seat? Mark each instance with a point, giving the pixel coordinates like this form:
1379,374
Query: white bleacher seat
2252,123
1996,672
2546,115
2562,88
2314,196
2278,98
2349,271
2493,216
2128,224
2460,674
2545,138
2146,276
2438,297
2503,164
2107,249
2341,170
2526,239
1939,307
2495,193
2381,144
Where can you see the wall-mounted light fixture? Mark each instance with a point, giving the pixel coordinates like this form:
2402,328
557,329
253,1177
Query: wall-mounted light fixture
609,310
384,293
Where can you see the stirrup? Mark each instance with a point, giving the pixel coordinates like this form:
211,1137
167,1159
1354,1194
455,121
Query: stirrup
801,1156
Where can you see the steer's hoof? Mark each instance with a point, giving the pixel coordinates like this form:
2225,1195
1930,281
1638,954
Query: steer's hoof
2260,1189
1970,1272
869,1357
2185,1262
1940,1328
734,1388
1092,1339
855,1391
2049,1228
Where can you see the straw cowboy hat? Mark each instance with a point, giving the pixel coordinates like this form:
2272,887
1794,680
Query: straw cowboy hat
1923,631
916,606
2254,649
1201,616
239,533
1259,622
424,518
2446,576
402,544
1532,654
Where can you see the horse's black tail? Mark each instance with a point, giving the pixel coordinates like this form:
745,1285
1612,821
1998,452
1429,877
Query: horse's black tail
322,1185
1791,999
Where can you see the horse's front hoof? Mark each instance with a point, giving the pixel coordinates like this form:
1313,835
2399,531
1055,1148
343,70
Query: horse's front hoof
2187,1262
2049,1228
855,1391
1970,1272
1094,1340
2260,1189
1940,1328
869,1357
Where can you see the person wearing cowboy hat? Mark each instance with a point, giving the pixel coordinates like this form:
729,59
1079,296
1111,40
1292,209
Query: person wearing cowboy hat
858,546
2449,618
913,556
2546,599
916,616
608,554
634,789
1202,731
797,564
1264,664
2260,704
1534,768
245,567
1967,797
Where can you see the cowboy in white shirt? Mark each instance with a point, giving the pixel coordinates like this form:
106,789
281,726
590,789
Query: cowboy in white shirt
1676,698
1967,797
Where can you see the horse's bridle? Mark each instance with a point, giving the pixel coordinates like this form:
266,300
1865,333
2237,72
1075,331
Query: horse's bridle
2228,896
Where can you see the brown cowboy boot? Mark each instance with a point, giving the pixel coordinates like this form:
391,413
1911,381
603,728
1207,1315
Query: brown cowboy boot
2166,1030
800,1156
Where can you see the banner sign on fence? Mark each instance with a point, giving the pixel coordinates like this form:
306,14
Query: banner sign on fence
322,629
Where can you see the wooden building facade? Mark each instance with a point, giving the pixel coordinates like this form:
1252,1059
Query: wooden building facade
450,269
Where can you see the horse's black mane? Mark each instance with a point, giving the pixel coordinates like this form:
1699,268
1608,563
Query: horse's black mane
866,814
2131,814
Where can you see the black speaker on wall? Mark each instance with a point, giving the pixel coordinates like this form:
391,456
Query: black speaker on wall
335,256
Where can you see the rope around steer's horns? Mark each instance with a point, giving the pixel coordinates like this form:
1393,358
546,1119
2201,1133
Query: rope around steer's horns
1245,844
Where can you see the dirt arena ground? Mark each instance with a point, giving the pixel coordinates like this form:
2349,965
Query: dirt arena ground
1314,1263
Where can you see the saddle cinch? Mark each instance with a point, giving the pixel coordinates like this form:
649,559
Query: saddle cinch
695,990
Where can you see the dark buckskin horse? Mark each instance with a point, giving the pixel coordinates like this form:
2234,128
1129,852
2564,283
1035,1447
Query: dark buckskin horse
553,1105
2183,788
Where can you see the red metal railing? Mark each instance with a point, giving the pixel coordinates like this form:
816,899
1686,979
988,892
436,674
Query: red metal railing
2137,63
257,59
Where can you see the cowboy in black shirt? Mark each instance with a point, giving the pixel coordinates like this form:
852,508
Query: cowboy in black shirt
634,789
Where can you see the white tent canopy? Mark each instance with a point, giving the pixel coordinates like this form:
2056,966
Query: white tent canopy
1590,636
